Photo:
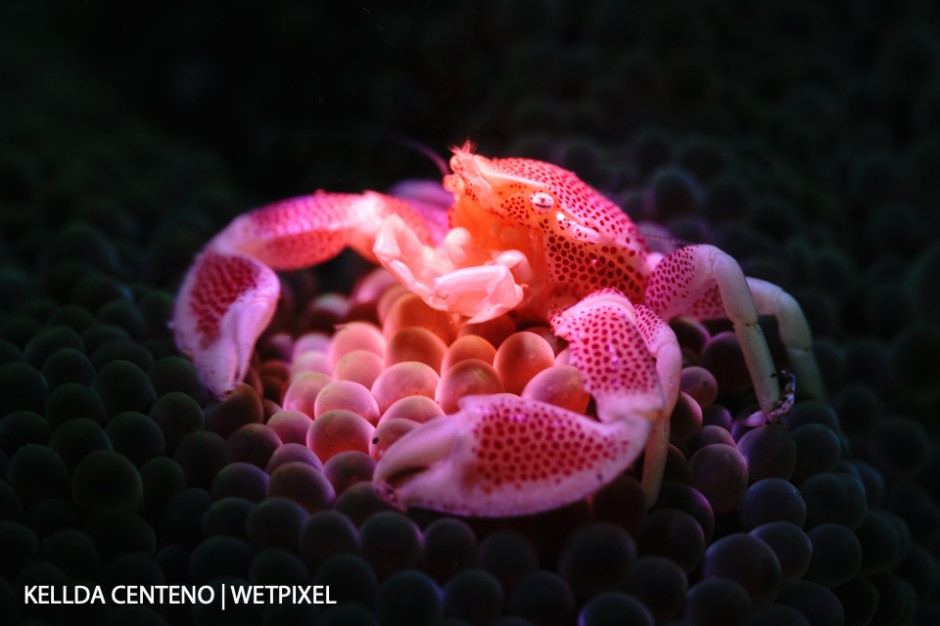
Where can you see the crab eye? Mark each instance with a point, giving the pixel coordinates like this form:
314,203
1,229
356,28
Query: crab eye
542,201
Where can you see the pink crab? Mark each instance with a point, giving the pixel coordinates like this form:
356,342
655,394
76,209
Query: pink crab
522,236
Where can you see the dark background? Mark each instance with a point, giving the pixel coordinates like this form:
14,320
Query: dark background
272,88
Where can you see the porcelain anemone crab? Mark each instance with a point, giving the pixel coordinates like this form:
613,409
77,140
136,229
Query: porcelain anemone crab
521,236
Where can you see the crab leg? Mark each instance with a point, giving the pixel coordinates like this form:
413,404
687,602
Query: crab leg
502,455
794,334
703,282
230,293
662,344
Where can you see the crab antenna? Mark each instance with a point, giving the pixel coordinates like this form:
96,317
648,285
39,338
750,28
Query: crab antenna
468,146
420,148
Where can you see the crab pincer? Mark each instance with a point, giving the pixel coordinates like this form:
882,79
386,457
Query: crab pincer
230,293
503,455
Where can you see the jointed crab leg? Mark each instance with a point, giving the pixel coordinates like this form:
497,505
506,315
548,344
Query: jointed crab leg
664,347
794,334
230,293
703,282
504,455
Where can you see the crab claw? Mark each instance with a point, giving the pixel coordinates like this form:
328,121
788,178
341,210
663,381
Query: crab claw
225,302
230,293
502,455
